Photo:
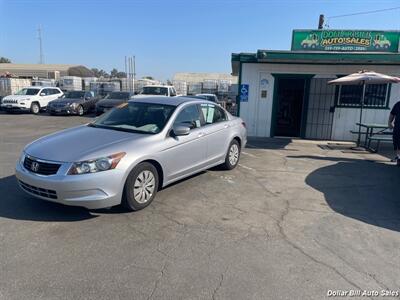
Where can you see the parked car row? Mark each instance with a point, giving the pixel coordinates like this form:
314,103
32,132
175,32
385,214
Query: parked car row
54,101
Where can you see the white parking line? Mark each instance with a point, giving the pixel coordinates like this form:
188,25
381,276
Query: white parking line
246,167
249,154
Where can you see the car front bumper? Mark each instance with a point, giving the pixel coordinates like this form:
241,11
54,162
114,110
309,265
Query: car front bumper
62,111
8,107
93,191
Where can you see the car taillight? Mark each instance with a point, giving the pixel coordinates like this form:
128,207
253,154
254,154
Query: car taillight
244,124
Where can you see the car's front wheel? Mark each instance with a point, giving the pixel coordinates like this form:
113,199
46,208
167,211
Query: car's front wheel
141,187
80,110
35,108
232,156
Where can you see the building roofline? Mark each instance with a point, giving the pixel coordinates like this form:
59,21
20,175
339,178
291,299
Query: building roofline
314,57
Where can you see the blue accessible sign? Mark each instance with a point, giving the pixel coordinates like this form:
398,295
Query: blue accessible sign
244,93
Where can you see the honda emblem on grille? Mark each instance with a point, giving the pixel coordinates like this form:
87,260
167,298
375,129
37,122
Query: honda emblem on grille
34,166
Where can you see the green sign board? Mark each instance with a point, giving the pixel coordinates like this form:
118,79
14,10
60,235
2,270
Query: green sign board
346,40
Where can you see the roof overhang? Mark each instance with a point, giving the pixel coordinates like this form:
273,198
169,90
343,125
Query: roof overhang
321,58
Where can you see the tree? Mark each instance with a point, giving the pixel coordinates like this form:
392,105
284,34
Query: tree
100,73
114,72
117,74
148,77
4,60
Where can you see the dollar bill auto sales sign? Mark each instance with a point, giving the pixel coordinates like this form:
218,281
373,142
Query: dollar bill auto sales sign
346,40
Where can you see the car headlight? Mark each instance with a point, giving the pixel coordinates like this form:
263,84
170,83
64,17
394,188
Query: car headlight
96,165
22,158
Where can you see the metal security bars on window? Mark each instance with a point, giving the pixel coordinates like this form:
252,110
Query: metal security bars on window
376,96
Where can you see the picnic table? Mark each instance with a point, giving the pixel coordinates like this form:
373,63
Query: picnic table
372,134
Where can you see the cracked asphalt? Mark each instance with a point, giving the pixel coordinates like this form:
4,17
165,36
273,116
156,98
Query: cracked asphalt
294,220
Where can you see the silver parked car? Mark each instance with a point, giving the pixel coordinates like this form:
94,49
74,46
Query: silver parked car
129,153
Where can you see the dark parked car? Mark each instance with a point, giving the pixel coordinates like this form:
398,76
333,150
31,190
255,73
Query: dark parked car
73,103
111,100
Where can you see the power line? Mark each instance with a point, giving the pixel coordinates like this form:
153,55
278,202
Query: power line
365,12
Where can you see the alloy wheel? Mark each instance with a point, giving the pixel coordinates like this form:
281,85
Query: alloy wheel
233,154
144,186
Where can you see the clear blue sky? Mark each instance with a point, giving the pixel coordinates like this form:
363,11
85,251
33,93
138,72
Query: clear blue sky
169,36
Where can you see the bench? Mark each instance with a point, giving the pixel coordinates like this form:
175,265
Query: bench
379,138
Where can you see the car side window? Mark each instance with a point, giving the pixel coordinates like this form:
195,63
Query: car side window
54,91
213,114
189,116
46,92
172,92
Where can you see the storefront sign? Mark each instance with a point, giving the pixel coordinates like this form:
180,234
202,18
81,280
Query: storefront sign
346,40
244,93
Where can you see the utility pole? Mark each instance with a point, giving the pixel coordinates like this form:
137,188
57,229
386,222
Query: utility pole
134,73
321,21
41,58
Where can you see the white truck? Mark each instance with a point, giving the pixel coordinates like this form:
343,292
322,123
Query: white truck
31,99
159,90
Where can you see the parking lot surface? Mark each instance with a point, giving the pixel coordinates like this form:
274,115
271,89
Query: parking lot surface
294,220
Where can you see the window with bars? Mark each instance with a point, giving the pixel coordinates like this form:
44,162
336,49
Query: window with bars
376,96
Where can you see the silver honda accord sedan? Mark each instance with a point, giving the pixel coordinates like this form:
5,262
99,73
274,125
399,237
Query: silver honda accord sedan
126,155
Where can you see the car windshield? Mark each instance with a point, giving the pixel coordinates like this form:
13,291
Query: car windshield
118,95
30,92
136,117
75,95
155,90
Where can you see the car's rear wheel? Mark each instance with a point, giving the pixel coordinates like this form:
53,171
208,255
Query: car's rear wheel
35,108
232,156
141,187
80,110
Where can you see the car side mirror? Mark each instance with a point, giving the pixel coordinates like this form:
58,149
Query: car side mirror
179,130
42,94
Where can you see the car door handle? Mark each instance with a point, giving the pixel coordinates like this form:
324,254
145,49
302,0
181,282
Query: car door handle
226,126
201,134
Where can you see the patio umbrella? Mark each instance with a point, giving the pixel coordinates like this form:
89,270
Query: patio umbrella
363,78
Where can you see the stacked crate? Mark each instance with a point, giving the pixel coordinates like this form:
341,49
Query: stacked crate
194,88
180,87
71,83
9,86
209,87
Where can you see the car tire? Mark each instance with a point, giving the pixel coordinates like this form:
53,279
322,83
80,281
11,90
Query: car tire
232,156
35,108
80,110
140,187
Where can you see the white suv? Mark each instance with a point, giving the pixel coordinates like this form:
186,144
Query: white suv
159,90
31,99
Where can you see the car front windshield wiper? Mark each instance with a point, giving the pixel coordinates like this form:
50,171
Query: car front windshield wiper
118,128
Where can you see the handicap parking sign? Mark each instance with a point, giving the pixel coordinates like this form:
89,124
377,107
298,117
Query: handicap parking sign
244,93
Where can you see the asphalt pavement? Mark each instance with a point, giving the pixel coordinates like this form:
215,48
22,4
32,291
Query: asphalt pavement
295,220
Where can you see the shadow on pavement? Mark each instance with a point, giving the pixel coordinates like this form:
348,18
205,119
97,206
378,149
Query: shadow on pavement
15,204
269,143
359,189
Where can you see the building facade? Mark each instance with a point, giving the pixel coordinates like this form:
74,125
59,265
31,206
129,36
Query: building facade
286,93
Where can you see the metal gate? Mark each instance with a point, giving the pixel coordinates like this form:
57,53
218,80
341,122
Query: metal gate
321,103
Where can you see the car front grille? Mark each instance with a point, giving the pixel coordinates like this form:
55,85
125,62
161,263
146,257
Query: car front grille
51,194
58,105
40,167
10,101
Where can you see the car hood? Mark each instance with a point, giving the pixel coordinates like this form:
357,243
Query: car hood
18,97
111,102
67,100
81,143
